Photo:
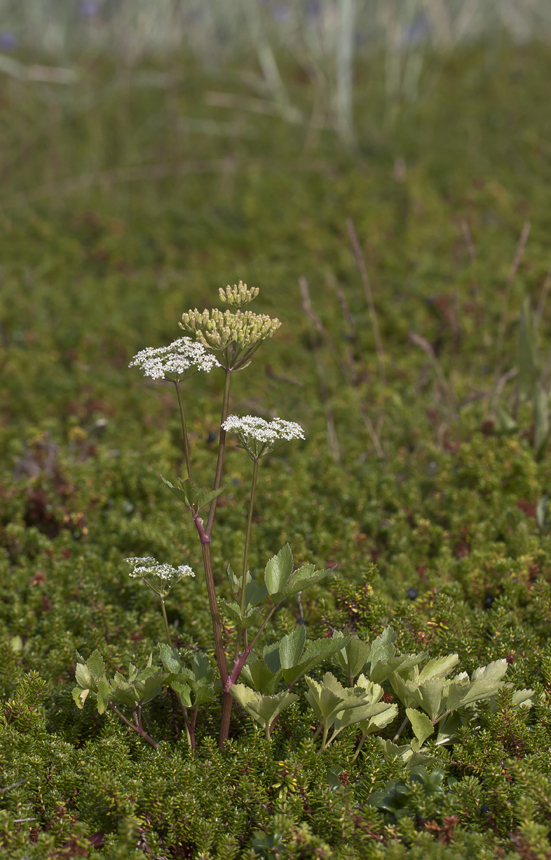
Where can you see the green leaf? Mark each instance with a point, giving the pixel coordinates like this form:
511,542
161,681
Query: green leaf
251,616
193,497
430,693
254,594
541,420
103,695
201,668
95,665
333,777
16,644
362,712
353,657
421,725
384,668
438,667
170,658
314,653
492,672
523,697
272,657
235,581
506,423
260,678
263,709
292,646
80,696
379,721
303,578
83,676
278,570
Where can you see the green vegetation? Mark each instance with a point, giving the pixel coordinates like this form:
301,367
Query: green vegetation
419,720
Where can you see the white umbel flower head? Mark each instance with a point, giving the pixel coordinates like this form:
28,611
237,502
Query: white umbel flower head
260,437
159,577
176,362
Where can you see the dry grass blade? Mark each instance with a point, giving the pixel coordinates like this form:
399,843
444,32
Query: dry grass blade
345,370
324,388
471,252
362,268
149,172
521,245
543,297
445,387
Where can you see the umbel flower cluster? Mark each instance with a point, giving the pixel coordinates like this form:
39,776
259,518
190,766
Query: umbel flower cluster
176,362
260,437
218,330
238,295
159,577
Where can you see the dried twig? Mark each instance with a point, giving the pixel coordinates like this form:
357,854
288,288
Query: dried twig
510,278
471,252
324,389
445,387
543,296
313,317
362,268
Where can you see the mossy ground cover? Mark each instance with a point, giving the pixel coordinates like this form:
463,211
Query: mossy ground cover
438,537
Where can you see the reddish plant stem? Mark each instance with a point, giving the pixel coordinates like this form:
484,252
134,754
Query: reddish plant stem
221,450
227,700
241,659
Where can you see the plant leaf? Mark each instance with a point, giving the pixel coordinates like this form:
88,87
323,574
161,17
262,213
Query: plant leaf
353,657
260,678
438,667
278,570
292,646
263,709
95,665
193,497
421,725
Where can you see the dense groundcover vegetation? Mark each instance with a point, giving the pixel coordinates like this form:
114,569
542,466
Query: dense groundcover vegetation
423,475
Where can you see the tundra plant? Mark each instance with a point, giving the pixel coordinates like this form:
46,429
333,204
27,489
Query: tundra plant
263,684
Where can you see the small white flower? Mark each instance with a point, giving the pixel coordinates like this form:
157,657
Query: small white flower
159,577
175,362
259,437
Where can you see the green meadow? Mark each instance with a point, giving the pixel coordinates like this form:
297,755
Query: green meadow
129,198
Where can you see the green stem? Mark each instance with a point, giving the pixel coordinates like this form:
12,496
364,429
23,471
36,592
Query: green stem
168,636
185,441
360,745
400,730
246,550
139,731
221,450
324,737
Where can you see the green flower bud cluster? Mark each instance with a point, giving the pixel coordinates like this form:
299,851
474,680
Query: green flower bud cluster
238,295
236,336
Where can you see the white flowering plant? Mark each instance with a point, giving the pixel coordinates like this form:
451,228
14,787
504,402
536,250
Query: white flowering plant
222,341
263,684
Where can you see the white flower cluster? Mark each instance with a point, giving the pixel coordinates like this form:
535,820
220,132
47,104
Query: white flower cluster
259,437
175,362
164,575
